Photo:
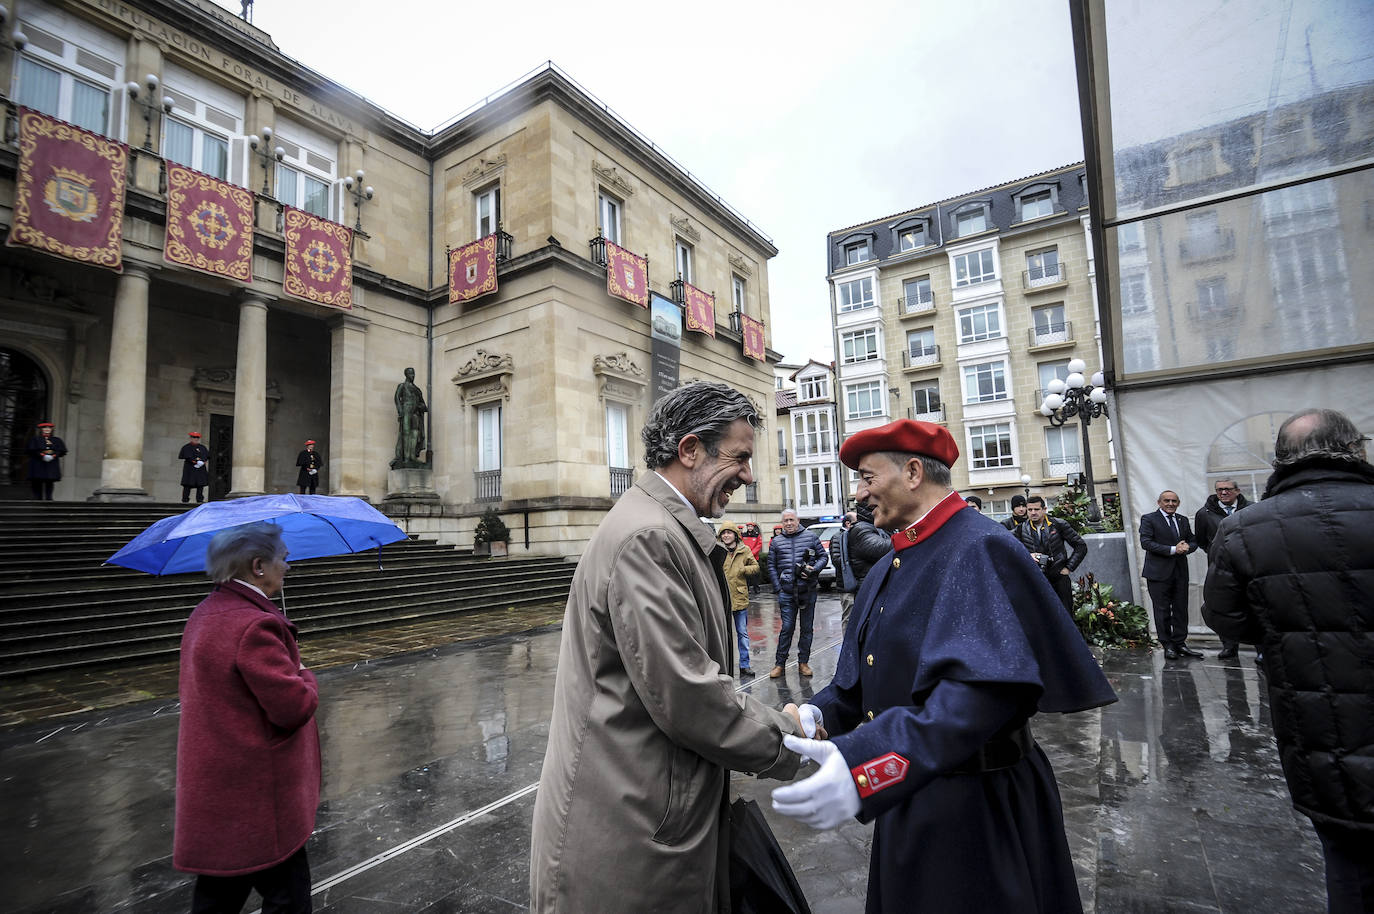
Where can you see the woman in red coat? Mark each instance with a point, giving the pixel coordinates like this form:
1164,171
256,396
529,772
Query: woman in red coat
248,751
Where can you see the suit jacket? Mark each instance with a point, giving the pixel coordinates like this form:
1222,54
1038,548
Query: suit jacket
1157,538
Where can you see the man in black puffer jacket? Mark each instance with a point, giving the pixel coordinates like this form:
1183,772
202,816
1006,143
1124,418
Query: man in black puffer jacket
1295,574
795,558
862,544
1227,501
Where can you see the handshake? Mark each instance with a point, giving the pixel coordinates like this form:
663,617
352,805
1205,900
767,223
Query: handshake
828,797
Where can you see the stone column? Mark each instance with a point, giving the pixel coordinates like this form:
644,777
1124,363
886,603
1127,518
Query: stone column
126,393
347,409
250,399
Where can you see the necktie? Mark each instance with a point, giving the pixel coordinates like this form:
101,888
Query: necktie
1229,509
1173,524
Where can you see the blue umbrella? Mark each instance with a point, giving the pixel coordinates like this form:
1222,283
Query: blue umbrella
311,526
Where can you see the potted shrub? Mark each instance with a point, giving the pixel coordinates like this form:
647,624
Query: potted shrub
492,535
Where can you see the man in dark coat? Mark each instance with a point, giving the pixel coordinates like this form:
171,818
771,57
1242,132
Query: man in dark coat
46,451
1049,540
1227,501
956,642
195,472
1167,540
860,546
1295,574
310,462
1018,512
795,559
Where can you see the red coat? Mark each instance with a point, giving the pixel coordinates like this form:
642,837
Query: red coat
248,750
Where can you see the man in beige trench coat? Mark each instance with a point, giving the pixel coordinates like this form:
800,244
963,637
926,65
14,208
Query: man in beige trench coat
647,724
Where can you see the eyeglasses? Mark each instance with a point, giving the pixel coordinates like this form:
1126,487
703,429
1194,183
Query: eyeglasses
1221,489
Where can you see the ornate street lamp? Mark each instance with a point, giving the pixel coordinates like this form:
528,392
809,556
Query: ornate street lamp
1025,483
262,145
1073,396
148,101
354,184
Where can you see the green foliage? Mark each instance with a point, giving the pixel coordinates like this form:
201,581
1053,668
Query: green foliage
491,529
1106,621
1072,506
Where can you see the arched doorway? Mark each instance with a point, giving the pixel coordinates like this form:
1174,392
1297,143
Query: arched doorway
23,404
1245,452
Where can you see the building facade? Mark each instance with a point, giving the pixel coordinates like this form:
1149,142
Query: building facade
535,393
961,312
811,476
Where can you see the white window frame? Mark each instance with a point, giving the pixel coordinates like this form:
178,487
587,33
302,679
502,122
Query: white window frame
77,38
609,208
488,197
858,252
307,141
916,233
993,328
972,377
925,291
1058,443
815,487
817,388
489,435
1037,196
1038,262
981,433
811,433
986,257
877,405
925,387
1048,371
683,256
864,285
1051,326
980,211
738,292
195,98
199,135
850,353
921,333
618,436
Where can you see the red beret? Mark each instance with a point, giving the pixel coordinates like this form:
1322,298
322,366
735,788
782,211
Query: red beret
906,436
311,441
45,425
195,434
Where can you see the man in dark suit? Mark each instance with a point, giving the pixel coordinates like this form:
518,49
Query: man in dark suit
1227,501
1167,539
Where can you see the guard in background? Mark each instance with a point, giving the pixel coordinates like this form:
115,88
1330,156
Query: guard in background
310,462
195,469
46,451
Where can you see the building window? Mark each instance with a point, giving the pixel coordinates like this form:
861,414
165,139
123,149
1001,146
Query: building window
488,204
617,435
1042,268
1211,297
857,252
817,388
920,346
683,257
1040,203
1049,371
608,216
1061,451
974,267
863,401
811,433
908,239
998,508
856,294
990,446
981,322
816,487
307,169
859,345
737,289
916,294
303,191
195,148
925,402
1130,237
1135,294
985,382
970,222
63,95
489,437
1196,163
1047,321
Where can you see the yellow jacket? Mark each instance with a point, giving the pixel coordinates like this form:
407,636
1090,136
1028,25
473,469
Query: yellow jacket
740,565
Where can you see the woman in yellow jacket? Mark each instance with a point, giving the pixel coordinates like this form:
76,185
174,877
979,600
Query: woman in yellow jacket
740,565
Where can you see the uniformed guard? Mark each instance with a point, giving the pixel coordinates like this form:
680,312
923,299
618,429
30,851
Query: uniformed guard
46,451
956,641
195,472
310,461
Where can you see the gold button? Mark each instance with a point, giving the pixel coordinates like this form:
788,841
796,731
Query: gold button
870,659
896,562
862,780
880,608
870,715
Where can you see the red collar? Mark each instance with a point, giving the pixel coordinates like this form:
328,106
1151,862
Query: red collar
933,520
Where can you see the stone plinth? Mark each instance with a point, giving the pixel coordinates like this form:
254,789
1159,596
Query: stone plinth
411,486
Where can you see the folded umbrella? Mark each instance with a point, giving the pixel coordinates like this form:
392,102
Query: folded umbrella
311,526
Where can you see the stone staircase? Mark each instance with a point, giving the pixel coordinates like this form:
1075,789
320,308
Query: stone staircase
60,608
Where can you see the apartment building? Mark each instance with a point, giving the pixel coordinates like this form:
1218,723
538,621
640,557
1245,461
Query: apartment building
810,475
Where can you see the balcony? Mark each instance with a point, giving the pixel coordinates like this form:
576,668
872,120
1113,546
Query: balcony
488,485
1216,246
621,480
782,456
922,303
1055,333
751,493
926,415
920,356
1049,276
1059,467
737,322
1213,312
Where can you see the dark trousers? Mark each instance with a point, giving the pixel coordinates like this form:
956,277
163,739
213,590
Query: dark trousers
790,606
285,889
1169,599
1063,585
1349,869
41,489
312,486
186,494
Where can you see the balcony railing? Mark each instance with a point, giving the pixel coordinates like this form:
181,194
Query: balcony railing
1210,247
1059,467
782,456
737,322
1051,334
926,415
488,484
621,480
751,493
1210,312
921,303
917,356
1043,277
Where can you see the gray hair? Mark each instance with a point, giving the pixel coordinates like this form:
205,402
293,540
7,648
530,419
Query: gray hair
932,470
791,511
1330,435
704,409
231,552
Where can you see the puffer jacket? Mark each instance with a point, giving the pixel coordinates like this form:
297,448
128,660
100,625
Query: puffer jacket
1295,574
1209,518
784,552
740,568
1060,538
867,544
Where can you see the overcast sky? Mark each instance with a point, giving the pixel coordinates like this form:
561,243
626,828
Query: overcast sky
805,117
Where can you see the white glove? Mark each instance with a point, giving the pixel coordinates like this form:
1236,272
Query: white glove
313,472
198,464
47,458
828,797
811,720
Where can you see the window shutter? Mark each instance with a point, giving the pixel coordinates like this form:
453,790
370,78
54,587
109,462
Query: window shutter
240,160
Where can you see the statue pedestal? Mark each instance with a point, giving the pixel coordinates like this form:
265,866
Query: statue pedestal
411,486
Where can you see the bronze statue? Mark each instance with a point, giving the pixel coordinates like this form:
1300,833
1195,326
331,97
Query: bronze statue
410,418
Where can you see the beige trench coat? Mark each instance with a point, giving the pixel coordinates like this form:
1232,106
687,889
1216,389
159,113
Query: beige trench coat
647,724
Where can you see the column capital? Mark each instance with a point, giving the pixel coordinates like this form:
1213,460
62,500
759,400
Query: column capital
135,269
347,321
254,297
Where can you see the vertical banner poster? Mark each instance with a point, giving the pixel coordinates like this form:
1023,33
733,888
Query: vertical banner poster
69,192
627,275
665,330
753,338
472,270
209,224
701,310
319,262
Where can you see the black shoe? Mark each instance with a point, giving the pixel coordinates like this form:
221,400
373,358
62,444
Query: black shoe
746,673
1228,653
1187,651
1170,654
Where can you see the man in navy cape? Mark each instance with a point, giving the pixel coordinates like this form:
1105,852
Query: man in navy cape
957,640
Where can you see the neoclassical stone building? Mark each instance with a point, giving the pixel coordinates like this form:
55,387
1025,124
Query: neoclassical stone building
535,393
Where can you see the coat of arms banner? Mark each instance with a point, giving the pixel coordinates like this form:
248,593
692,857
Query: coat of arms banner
701,310
319,262
209,224
753,338
627,275
69,193
472,270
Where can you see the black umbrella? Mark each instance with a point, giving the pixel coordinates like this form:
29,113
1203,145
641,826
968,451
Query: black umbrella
761,879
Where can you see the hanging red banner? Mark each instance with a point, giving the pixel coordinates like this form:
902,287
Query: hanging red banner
701,310
69,192
627,275
753,338
209,224
319,262
472,270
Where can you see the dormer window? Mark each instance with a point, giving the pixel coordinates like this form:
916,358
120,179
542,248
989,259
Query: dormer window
1036,201
912,234
971,219
857,252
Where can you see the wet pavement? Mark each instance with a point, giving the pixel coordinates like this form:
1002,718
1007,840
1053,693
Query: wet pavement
1174,801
